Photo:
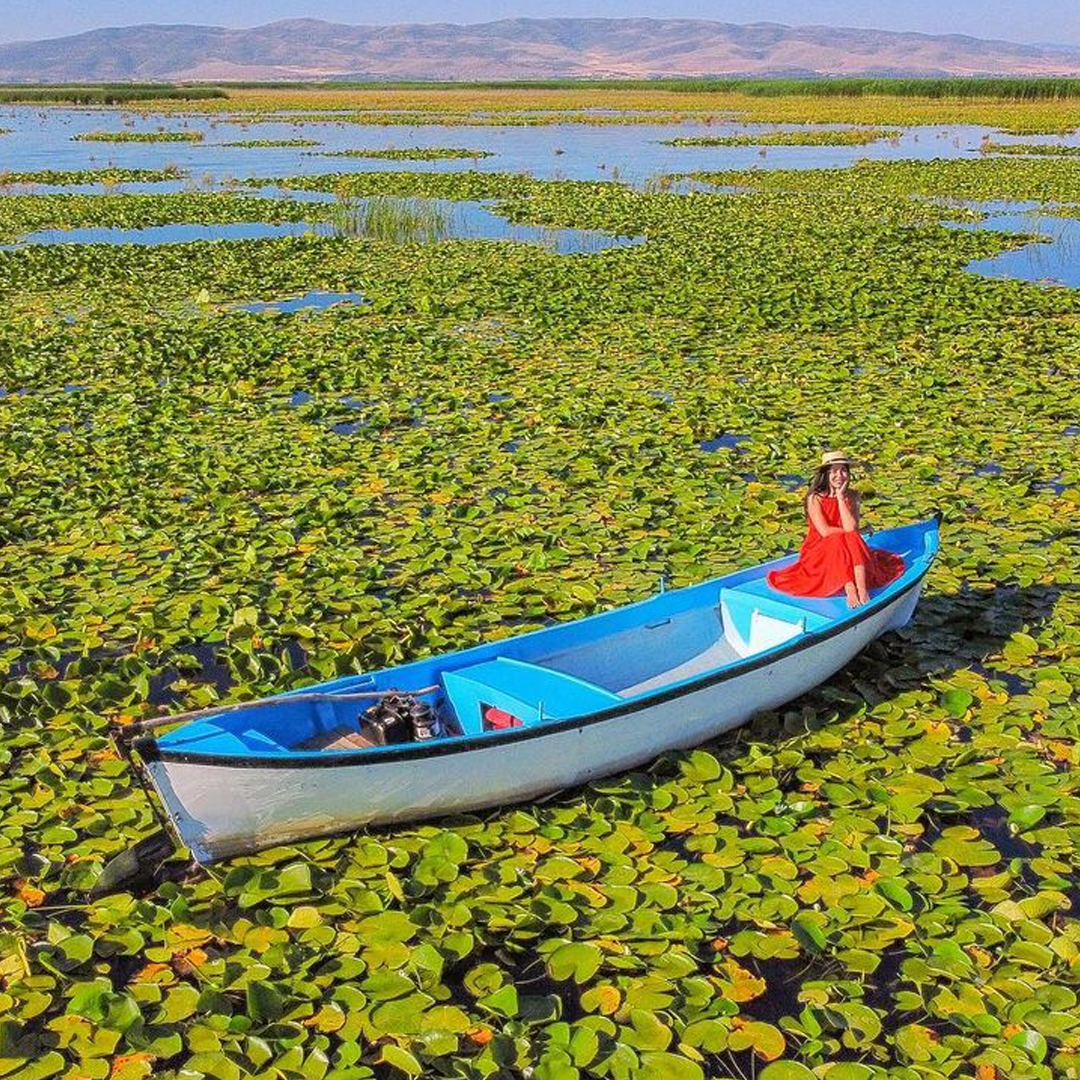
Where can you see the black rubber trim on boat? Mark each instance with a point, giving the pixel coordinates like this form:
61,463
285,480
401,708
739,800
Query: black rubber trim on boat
151,750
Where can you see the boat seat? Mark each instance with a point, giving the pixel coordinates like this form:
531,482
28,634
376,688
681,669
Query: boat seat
212,738
527,691
757,617
821,609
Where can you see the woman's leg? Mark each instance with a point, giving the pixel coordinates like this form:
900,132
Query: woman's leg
857,553
860,583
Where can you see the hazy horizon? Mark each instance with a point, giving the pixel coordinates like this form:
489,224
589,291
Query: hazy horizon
1037,22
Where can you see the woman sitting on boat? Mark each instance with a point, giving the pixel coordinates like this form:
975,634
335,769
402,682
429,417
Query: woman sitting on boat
834,558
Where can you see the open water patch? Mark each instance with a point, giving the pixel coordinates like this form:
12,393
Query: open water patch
315,299
727,441
1052,257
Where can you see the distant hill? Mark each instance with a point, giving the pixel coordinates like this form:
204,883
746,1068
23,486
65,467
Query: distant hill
514,49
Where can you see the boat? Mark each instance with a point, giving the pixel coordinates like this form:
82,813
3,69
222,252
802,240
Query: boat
511,721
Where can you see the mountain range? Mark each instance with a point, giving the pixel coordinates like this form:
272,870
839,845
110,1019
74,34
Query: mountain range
298,49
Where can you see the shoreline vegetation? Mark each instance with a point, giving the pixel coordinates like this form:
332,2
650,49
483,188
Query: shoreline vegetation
1015,105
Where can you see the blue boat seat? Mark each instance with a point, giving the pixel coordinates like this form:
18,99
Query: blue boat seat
207,737
527,691
821,609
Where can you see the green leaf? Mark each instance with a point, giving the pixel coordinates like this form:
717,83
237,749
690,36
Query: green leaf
294,879
956,702
786,1070
700,766
400,1060
708,1035
504,1002
862,1025
214,1064
663,1066
388,927
577,960
264,1004
646,1031
895,893
767,1041
809,934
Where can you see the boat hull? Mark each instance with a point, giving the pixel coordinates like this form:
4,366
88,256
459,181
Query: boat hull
220,810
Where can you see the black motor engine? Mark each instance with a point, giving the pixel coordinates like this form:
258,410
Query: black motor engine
399,718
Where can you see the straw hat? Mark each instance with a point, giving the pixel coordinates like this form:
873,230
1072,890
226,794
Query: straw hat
834,457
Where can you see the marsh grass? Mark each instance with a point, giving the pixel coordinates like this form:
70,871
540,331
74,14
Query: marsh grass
391,218
107,94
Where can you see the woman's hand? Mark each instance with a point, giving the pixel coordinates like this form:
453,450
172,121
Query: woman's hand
849,509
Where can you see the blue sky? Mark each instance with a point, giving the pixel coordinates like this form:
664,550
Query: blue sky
1032,21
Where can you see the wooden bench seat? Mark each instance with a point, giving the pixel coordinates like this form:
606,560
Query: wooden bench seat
340,738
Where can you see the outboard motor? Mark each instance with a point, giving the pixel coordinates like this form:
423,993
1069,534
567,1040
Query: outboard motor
399,718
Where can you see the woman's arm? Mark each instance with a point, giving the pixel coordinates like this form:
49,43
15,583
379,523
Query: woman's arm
817,518
849,510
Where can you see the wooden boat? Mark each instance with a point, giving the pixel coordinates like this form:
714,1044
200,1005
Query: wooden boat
520,718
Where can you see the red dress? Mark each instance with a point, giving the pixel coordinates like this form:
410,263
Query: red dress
827,563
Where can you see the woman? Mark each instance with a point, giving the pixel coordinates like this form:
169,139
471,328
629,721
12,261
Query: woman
834,557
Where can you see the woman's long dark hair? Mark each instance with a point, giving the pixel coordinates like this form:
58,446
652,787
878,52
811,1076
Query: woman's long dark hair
819,483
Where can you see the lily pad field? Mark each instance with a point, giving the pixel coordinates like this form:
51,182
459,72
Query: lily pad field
203,504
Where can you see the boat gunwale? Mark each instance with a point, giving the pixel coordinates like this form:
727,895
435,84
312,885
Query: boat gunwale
151,750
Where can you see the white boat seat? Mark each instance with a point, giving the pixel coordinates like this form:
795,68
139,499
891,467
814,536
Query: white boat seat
756,621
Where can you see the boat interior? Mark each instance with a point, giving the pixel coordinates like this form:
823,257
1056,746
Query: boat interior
568,670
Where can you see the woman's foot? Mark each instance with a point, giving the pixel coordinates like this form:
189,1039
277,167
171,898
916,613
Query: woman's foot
852,595
864,597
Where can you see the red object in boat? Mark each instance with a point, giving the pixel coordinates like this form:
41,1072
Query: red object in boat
498,720
827,563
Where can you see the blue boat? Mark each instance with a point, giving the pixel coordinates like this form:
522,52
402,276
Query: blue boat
513,720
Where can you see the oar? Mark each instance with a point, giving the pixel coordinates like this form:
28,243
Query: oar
137,727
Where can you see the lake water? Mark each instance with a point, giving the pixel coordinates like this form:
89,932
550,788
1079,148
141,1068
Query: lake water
42,138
